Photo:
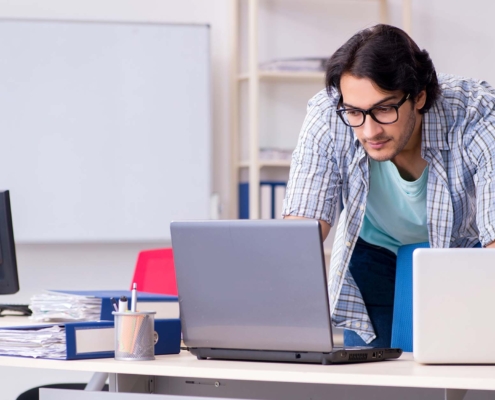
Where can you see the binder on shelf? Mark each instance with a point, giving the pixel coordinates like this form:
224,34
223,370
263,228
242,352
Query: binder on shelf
79,340
243,200
266,201
278,200
101,308
272,194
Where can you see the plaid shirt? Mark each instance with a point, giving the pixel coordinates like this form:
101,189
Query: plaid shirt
329,163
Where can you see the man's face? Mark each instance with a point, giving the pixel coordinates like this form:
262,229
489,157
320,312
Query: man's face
382,142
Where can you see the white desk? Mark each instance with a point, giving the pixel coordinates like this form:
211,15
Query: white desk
168,374
184,374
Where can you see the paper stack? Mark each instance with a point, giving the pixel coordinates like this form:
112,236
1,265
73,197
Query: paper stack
45,342
58,306
295,64
96,305
272,153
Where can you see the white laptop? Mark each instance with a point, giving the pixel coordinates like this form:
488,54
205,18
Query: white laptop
454,306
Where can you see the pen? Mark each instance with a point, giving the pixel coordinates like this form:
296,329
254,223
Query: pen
134,297
114,303
123,304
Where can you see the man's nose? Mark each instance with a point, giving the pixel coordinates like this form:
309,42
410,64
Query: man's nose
371,128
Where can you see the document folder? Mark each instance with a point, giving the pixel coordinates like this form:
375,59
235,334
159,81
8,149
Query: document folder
68,341
79,305
93,339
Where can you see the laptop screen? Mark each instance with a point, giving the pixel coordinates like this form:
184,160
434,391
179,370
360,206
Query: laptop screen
252,284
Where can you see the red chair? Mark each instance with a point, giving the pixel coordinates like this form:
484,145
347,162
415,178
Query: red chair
155,272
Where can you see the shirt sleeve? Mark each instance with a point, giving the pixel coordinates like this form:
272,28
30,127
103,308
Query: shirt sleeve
313,189
482,152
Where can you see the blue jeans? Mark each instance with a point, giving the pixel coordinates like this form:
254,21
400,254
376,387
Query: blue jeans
373,269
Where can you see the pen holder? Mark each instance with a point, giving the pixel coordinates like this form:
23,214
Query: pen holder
135,335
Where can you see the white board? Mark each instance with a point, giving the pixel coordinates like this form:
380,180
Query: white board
105,128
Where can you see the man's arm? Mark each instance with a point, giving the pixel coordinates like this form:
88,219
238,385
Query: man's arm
325,226
315,184
491,245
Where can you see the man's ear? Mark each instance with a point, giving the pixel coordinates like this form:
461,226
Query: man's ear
420,100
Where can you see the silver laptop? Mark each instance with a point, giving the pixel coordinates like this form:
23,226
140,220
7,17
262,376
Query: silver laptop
257,290
453,305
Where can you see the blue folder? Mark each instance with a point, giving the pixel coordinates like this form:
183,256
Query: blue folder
81,346
244,197
402,328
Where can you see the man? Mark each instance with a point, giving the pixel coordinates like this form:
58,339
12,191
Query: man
411,155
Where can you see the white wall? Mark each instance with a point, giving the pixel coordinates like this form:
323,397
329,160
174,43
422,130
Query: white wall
458,35
110,266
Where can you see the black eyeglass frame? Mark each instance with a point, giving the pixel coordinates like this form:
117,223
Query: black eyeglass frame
369,112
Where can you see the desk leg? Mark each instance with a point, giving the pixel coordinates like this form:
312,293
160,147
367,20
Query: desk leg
131,383
455,394
97,382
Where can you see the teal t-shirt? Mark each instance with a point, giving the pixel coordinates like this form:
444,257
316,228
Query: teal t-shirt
396,209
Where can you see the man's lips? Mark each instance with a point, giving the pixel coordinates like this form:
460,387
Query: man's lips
377,144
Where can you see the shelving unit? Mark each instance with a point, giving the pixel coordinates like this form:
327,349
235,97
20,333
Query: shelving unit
266,163
254,78
282,75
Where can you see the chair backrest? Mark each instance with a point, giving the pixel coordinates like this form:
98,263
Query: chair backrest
155,272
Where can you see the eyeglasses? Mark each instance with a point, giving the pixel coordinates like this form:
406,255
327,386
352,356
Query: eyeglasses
386,114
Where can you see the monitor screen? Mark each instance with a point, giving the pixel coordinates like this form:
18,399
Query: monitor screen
9,282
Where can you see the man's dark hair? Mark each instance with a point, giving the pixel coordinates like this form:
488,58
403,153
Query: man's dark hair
390,58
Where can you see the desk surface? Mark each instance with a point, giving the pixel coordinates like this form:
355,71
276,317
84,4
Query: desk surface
403,372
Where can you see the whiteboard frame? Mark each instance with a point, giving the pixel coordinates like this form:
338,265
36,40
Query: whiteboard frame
33,225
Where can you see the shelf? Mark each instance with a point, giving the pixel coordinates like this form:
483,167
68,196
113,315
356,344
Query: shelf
287,75
266,163
248,82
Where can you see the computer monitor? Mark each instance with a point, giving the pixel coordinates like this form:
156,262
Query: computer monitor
9,281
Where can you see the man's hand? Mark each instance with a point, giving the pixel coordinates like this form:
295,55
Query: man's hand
491,245
325,226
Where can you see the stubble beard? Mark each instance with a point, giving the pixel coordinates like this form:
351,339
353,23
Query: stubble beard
378,155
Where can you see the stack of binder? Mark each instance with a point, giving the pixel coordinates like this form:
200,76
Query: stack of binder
42,342
79,340
272,195
53,306
94,305
62,341
88,330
